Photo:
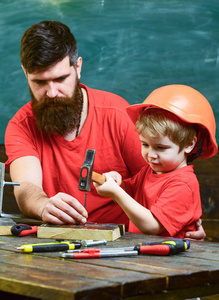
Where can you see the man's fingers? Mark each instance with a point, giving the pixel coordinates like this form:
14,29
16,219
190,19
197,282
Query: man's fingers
63,208
69,215
72,202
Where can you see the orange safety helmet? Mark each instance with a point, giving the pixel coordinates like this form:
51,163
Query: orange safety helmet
190,106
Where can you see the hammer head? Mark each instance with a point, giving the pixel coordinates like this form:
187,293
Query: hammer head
86,171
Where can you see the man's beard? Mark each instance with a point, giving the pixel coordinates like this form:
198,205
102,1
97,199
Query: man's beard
58,115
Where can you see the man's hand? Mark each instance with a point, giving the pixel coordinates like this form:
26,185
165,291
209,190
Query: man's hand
33,201
198,235
64,209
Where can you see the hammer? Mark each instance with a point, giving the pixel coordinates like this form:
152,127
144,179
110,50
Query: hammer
87,174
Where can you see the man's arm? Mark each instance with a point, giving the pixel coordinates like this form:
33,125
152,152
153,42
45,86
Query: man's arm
32,200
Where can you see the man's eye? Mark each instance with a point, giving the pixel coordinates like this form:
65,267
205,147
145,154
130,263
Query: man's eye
60,79
39,82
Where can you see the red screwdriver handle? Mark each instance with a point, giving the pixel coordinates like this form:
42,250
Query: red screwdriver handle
23,229
162,249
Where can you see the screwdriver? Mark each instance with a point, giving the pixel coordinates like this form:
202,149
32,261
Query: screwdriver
181,244
45,247
160,249
98,253
23,229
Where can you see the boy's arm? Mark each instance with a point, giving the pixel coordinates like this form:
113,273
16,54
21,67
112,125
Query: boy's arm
138,214
143,219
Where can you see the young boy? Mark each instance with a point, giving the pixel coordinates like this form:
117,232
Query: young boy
176,124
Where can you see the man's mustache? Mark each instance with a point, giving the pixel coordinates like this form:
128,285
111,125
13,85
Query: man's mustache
57,101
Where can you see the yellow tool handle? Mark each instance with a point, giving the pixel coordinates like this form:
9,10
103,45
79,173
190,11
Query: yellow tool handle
98,178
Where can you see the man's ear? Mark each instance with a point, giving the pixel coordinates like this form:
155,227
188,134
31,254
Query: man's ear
79,67
188,149
25,72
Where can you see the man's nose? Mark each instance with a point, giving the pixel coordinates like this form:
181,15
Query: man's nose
51,90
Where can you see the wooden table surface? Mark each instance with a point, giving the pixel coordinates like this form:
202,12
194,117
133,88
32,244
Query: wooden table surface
47,276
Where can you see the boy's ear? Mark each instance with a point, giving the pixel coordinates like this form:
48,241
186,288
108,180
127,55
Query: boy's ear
188,149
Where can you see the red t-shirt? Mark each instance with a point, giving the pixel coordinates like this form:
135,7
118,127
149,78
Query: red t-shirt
173,198
107,129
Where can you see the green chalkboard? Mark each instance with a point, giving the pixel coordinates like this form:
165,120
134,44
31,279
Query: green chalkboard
129,47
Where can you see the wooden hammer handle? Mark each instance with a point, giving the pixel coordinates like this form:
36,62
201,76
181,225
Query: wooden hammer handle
98,178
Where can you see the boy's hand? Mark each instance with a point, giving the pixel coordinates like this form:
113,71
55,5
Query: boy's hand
116,176
198,235
108,189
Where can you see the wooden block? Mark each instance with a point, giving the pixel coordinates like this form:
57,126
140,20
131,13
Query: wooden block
7,222
5,226
89,231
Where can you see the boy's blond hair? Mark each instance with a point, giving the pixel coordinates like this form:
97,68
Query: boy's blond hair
156,121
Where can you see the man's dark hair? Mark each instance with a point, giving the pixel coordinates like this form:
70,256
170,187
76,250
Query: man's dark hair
45,44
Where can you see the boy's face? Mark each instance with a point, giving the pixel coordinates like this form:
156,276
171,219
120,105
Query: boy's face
161,153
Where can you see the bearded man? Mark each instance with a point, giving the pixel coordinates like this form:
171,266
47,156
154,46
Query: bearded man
47,139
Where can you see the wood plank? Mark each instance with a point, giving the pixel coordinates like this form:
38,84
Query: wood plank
188,262
52,284
5,226
89,231
180,294
87,268
56,268
128,277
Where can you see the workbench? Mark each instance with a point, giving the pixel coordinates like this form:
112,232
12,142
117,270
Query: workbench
48,276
